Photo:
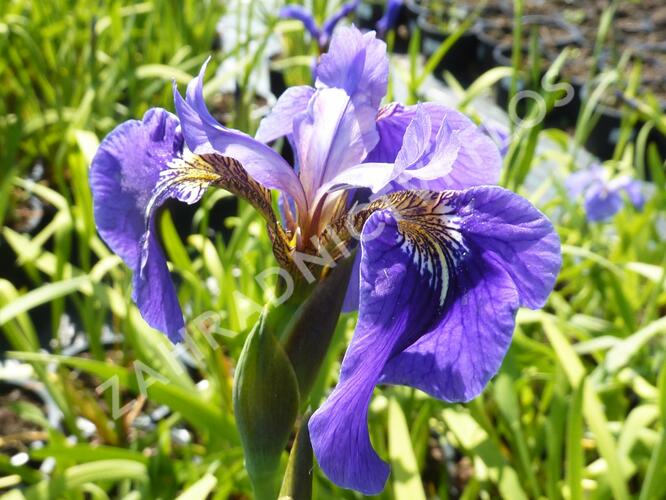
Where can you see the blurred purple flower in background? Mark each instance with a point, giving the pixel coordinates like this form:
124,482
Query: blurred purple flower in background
322,34
445,258
603,196
390,16
499,134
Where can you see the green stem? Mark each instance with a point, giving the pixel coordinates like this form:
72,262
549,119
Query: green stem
297,481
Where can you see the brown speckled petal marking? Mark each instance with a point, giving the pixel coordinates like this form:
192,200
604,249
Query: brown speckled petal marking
428,227
188,177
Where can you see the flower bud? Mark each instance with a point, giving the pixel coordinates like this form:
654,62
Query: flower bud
266,403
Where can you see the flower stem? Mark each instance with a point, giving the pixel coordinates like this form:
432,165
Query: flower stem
297,482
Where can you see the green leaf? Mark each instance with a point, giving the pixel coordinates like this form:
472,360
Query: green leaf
309,333
620,355
42,295
163,72
193,408
592,407
81,453
476,441
404,469
106,470
653,486
575,457
201,489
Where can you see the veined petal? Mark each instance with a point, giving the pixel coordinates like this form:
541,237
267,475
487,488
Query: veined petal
477,162
204,135
136,169
331,137
124,172
410,161
512,258
391,301
499,134
301,14
280,121
356,63
442,275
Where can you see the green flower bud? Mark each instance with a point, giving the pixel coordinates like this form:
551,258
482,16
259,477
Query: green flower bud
266,403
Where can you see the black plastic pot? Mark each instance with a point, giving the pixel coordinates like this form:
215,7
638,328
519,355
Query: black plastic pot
460,60
276,78
604,136
405,26
491,21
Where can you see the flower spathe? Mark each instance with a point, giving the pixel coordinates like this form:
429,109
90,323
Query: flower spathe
445,258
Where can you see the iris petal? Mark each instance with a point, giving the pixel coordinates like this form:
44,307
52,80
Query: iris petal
204,135
477,162
412,155
124,172
601,203
391,301
280,121
635,190
356,63
578,182
390,16
513,261
136,169
332,136
442,275
330,23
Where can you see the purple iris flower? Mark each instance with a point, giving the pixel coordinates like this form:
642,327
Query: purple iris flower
322,34
603,197
445,257
390,16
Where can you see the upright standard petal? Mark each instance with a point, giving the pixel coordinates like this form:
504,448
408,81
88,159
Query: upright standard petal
124,174
280,121
578,182
414,162
204,135
478,160
442,275
331,137
356,63
603,196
